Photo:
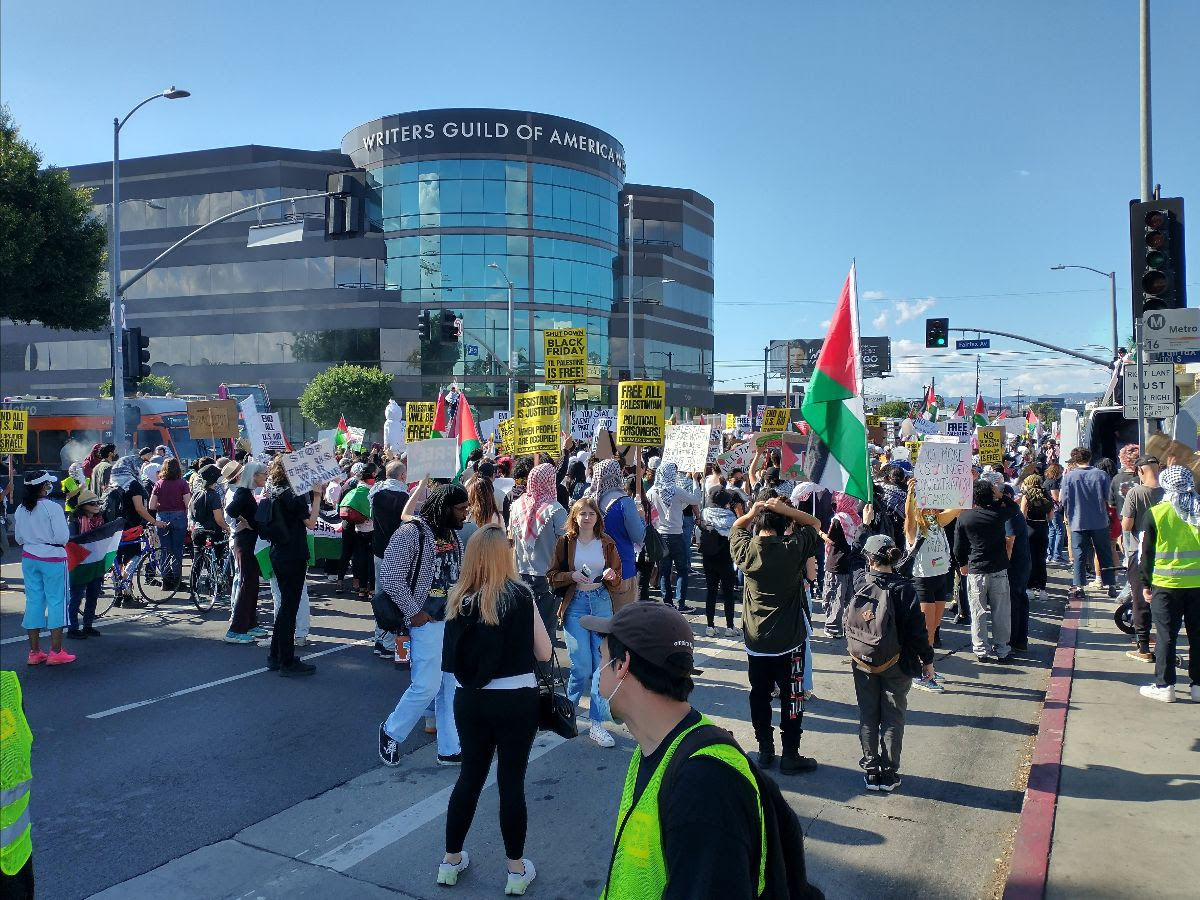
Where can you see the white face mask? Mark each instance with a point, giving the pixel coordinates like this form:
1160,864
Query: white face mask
608,699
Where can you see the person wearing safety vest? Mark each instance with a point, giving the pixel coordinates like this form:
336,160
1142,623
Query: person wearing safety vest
703,834
1171,578
16,779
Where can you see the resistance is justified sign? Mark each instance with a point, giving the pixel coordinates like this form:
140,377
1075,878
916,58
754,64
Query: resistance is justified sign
537,418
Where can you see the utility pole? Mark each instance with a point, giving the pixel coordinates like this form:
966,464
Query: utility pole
1018,401
1000,404
1147,148
976,374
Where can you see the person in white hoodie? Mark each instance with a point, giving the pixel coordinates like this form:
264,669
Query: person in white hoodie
715,521
41,530
668,497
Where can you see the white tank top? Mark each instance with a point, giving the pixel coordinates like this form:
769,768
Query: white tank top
933,559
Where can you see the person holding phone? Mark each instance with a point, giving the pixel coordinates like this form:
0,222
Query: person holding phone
586,564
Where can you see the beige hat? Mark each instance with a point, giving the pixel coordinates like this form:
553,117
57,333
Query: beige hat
230,472
84,497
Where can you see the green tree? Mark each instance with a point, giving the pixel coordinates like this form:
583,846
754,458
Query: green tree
151,385
894,409
52,258
357,392
1045,411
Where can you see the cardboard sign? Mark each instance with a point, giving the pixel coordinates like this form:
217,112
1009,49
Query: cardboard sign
213,419
437,458
991,445
775,419
537,418
566,355
641,413
687,447
310,466
14,431
873,421
772,439
418,420
737,457
943,475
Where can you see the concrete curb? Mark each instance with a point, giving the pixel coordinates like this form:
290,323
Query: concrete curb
1030,858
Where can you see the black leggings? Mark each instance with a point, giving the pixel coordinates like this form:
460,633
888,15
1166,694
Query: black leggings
492,723
718,573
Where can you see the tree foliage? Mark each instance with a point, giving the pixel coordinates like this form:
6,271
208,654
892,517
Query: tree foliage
894,409
52,255
151,385
357,392
1045,411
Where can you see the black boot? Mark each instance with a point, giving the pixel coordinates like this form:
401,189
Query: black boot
766,754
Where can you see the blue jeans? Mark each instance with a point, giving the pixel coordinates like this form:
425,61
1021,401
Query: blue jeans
1058,538
1097,539
429,682
679,556
172,540
584,649
87,594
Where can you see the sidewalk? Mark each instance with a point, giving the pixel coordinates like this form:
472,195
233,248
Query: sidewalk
1129,789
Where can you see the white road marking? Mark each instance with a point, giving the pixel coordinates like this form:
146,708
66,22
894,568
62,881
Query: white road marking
105,622
201,687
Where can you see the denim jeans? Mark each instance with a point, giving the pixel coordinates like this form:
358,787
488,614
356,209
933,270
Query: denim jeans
583,646
429,682
87,594
1058,538
1097,539
679,556
172,540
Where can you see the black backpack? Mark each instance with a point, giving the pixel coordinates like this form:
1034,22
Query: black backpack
786,872
114,503
269,523
712,542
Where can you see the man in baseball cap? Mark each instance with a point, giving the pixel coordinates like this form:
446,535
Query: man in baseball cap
700,830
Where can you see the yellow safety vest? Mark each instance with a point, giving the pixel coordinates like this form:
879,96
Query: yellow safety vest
16,777
1176,551
639,870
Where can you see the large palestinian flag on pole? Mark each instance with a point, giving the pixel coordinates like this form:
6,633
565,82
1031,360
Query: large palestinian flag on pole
92,553
833,405
467,432
980,416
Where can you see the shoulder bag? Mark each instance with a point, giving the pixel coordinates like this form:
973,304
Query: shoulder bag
388,616
556,712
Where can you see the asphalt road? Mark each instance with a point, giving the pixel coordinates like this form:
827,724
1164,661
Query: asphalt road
166,754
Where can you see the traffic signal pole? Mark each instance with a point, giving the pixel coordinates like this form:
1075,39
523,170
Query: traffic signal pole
1018,337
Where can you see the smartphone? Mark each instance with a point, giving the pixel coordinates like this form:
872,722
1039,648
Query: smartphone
586,571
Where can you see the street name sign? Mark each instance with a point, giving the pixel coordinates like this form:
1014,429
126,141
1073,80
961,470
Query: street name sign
974,344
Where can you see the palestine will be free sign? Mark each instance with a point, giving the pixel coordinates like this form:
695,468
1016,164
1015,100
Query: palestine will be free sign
641,413
537,422
566,355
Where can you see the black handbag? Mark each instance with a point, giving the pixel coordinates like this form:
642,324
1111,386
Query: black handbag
388,616
556,712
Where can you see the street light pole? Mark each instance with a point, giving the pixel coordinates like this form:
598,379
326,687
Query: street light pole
115,298
1112,297
511,361
629,291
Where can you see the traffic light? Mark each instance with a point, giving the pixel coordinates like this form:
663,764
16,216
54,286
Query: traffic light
425,326
1156,255
345,211
137,355
450,326
937,334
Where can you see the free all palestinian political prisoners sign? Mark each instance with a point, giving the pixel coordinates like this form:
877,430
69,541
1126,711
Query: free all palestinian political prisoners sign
641,413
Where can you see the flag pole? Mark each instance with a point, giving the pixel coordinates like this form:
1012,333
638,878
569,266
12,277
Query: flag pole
858,373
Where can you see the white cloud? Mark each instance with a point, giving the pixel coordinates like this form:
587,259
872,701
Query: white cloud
825,325
1024,173
880,321
872,295
906,310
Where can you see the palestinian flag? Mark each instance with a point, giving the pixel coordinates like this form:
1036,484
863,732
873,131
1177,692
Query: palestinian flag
931,409
961,412
358,500
341,437
440,426
1031,420
468,432
980,416
833,407
92,553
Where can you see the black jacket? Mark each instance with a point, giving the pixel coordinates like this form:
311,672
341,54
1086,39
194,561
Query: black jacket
386,509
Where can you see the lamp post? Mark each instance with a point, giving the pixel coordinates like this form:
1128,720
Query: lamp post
510,365
1112,292
633,297
118,304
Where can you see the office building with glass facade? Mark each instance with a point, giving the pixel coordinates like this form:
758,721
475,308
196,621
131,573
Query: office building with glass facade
457,204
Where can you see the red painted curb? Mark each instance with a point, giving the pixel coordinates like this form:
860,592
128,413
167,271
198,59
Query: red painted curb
1030,858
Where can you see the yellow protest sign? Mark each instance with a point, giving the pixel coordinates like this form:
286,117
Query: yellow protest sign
914,448
775,419
14,431
508,434
730,421
566,355
991,445
418,421
641,413
537,419
873,421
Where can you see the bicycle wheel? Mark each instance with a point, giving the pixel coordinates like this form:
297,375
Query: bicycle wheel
203,592
108,593
156,580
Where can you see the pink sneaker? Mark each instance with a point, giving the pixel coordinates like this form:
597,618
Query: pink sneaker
60,658
37,657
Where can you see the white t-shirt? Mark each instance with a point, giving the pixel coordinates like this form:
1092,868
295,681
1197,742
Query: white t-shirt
933,559
591,554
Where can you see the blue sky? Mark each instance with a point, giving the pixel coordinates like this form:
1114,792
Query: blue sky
957,150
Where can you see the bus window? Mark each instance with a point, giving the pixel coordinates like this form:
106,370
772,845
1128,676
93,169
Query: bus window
149,437
50,447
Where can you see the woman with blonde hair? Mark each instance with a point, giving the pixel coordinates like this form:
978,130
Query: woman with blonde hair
586,564
493,637
926,540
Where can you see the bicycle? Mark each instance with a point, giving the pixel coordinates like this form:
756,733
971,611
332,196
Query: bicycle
149,571
212,575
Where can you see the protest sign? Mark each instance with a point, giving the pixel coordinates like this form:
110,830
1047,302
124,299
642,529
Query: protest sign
772,439
271,431
924,426
507,430
742,422
355,437
436,457
418,421
585,421
737,457
913,448
537,420
641,413
873,421
775,419
566,355
310,466
687,447
715,443
14,431
943,474
730,421
991,445
960,428
213,419
941,439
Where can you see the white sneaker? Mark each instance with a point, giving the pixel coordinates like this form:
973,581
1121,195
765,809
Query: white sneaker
300,642
734,632
600,735
518,883
1165,694
710,631
448,872
1196,693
